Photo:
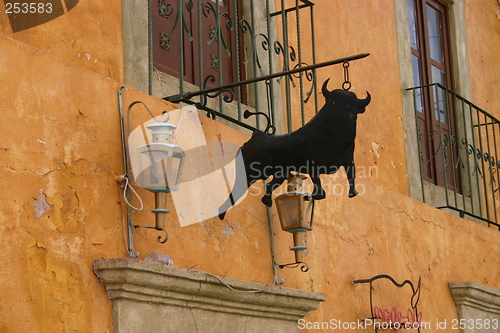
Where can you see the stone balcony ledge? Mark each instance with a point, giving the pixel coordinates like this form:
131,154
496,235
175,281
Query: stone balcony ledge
152,297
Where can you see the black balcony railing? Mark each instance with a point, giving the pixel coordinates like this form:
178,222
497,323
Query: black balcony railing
465,145
215,43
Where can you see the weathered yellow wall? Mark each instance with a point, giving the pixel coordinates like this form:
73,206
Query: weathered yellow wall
88,36
483,31
60,146
60,150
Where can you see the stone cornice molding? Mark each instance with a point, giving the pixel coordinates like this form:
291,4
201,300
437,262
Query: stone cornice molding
133,282
476,296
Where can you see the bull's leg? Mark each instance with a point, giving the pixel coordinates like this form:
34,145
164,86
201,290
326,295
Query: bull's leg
239,189
318,193
351,174
270,187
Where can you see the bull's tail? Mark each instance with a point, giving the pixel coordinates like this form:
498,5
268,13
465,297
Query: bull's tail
239,189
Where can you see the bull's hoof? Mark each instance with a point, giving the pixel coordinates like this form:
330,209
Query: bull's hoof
319,196
352,193
221,215
266,200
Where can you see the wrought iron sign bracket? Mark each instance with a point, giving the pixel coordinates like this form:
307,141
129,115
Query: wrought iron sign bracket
159,239
228,96
123,180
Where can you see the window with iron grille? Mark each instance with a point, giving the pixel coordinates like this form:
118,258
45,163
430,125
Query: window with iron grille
212,43
206,47
452,144
431,63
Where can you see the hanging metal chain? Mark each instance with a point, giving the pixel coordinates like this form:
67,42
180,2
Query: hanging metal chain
270,112
347,84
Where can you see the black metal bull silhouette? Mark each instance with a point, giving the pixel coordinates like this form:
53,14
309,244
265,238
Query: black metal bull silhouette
321,146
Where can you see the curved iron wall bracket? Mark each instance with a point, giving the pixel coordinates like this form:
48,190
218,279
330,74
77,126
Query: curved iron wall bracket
125,131
304,267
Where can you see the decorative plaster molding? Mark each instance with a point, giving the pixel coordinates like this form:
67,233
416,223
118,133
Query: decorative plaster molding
147,296
476,296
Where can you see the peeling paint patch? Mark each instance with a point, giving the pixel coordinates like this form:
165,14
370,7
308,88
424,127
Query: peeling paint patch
375,150
41,205
227,230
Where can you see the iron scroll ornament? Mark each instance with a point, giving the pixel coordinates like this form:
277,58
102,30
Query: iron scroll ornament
304,267
270,128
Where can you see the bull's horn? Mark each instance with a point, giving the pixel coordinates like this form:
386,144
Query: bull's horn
362,103
324,89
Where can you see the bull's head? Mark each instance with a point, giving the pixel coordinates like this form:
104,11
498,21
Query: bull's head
360,104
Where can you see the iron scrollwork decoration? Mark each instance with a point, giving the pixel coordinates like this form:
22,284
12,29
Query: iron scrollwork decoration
304,267
159,239
166,10
481,165
461,152
394,319
270,128
228,96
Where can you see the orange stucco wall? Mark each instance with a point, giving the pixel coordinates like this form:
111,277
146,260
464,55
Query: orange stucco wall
60,150
483,53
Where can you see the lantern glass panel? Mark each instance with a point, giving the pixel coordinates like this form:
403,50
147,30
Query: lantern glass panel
294,211
160,166
288,209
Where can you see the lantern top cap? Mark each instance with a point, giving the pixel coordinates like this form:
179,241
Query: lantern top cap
161,125
297,175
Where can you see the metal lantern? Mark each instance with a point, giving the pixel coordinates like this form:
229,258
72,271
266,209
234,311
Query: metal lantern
295,211
161,165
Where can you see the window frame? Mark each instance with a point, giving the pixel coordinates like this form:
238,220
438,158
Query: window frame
461,85
434,125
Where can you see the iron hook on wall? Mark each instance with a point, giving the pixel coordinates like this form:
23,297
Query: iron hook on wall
270,128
